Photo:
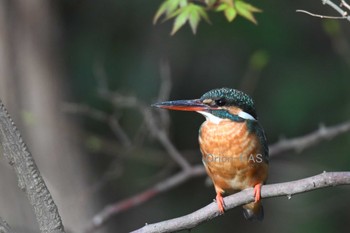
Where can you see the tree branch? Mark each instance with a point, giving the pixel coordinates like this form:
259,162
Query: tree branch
4,227
101,116
344,14
298,144
345,4
122,101
115,208
29,179
273,190
320,16
337,8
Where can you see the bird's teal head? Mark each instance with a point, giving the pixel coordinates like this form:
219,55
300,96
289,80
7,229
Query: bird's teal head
216,105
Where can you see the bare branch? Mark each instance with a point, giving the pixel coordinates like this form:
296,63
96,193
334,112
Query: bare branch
122,101
144,196
273,190
335,7
300,143
4,227
344,14
188,171
29,178
345,4
160,133
321,16
101,116
163,138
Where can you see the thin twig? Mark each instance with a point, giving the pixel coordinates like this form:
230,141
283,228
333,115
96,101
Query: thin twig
335,7
340,42
163,138
298,143
187,222
29,179
321,16
345,4
101,116
122,101
344,14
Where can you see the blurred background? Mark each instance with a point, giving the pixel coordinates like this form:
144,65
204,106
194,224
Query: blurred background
78,77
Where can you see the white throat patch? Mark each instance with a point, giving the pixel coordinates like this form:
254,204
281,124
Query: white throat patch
246,116
216,120
210,117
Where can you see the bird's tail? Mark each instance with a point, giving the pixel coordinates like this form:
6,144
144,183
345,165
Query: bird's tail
253,211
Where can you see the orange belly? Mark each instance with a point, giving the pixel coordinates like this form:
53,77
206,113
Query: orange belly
232,156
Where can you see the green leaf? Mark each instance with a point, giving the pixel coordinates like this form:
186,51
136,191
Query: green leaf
174,4
183,11
180,20
168,8
182,3
173,14
193,13
230,14
221,7
246,10
203,14
247,6
228,2
210,3
160,11
194,19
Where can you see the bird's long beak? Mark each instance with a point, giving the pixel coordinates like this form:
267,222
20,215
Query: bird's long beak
183,105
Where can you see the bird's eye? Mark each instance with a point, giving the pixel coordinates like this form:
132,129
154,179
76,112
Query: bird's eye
220,102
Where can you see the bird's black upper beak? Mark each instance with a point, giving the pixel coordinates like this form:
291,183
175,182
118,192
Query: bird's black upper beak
183,105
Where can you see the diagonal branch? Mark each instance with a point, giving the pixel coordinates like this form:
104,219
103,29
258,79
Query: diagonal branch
173,181
298,144
29,179
336,7
187,222
4,227
345,4
122,101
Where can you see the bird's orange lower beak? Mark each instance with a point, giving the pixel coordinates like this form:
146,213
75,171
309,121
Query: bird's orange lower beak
182,105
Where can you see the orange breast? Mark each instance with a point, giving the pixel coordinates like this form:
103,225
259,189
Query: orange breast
232,155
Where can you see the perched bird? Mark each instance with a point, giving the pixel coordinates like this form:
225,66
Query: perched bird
233,144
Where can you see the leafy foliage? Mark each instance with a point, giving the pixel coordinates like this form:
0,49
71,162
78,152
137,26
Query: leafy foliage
194,11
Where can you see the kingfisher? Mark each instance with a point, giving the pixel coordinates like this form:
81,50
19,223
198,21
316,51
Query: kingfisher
232,142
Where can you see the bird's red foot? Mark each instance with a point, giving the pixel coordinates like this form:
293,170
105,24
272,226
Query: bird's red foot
220,202
257,190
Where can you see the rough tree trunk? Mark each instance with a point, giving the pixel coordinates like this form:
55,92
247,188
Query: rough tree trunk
32,88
